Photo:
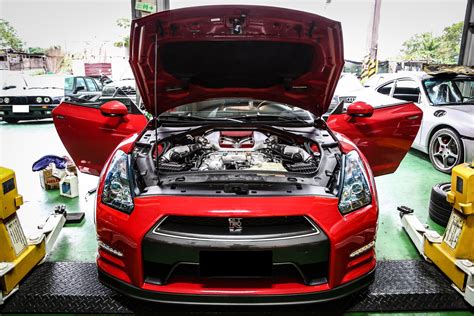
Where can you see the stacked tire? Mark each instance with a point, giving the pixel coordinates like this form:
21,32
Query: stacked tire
440,209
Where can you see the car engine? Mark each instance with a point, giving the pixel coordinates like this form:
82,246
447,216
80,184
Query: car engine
238,150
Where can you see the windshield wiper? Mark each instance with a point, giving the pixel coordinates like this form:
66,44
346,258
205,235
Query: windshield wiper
196,118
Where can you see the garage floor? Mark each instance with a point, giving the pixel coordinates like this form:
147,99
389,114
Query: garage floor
24,143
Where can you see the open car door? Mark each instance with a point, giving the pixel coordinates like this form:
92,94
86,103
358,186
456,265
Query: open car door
384,134
91,131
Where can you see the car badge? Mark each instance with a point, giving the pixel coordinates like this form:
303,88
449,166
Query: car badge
235,225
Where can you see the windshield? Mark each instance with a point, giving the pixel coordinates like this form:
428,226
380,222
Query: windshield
450,91
44,82
239,108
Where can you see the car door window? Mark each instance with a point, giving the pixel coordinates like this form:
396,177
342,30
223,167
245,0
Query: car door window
98,84
90,85
80,83
407,90
386,89
68,85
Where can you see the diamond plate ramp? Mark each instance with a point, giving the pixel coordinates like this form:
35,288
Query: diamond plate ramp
73,287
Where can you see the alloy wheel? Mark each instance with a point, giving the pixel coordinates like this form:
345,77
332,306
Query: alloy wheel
445,150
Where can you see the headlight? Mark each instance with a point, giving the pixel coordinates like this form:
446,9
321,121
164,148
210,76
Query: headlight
1,100
355,191
117,191
47,100
6,100
39,99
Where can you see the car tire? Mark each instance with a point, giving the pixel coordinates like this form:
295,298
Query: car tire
445,150
440,209
11,121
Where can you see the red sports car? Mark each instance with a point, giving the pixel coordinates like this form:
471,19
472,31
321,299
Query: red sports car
236,192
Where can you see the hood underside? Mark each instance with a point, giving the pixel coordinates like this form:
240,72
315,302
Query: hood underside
194,54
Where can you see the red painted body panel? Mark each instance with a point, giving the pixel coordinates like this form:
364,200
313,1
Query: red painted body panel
91,137
212,23
125,233
385,137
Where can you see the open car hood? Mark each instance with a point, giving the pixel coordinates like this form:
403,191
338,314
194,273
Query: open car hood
193,54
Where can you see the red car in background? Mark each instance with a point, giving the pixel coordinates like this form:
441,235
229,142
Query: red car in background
237,193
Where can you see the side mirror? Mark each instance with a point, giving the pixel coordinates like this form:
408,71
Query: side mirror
360,109
113,108
80,88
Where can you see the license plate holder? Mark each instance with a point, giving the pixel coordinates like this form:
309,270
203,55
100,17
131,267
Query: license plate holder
235,264
21,109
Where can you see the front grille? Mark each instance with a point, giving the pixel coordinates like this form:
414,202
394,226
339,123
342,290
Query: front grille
161,274
257,227
284,249
28,100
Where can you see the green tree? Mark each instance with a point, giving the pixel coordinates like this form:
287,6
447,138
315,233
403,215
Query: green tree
8,37
423,46
435,49
451,43
123,23
35,50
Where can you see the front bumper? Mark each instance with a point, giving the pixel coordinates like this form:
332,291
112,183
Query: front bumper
35,112
127,234
288,299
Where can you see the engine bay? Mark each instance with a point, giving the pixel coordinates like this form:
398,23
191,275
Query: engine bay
237,150
206,154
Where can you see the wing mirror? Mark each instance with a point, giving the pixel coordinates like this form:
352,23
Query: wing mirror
360,109
113,108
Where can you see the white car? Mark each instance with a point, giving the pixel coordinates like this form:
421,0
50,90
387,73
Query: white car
346,90
24,97
447,102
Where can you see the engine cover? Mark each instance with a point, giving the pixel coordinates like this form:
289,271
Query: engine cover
240,160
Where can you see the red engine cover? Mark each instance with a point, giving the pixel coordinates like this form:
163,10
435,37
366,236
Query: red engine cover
236,139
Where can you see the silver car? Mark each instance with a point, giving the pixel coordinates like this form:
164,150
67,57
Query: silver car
447,102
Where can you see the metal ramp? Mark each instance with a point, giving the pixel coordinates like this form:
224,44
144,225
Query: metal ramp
73,287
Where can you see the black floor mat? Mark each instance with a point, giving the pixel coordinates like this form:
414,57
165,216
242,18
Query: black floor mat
72,287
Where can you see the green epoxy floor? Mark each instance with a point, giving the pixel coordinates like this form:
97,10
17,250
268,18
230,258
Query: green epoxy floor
24,143
21,145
